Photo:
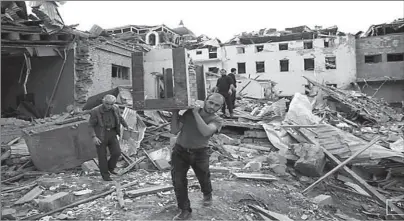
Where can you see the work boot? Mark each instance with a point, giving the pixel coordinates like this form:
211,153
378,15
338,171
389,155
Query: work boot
107,178
113,171
183,215
207,200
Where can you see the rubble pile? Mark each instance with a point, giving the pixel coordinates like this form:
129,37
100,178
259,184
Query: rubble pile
286,149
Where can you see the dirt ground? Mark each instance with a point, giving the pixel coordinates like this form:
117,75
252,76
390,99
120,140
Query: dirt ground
231,197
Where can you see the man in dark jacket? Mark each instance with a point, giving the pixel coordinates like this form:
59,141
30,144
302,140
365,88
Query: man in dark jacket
105,121
225,87
233,77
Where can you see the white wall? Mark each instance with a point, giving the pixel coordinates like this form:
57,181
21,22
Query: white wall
292,81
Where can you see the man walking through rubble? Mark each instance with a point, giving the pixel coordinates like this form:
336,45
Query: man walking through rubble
105,121
196,126
225,87
233,77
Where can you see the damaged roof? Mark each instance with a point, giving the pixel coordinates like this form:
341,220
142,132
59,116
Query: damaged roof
397,26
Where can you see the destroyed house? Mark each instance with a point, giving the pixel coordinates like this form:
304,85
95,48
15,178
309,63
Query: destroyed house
47,68
284,57
380,61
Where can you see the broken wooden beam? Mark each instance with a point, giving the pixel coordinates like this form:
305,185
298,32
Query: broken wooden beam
342,164
39,216
302,126
31,195
269,214
255,176
149,190
123,171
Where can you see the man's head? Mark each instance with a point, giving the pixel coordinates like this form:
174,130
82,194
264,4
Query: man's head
223,72
213,103
233,70
108,101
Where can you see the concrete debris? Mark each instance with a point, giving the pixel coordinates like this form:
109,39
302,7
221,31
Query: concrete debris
55,201
323,200
312,159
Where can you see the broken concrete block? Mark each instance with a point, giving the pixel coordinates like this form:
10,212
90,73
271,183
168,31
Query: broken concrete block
323,200
253,166
31,195
162,164
8,214
55,201
312,160
279,169
255,134
89,166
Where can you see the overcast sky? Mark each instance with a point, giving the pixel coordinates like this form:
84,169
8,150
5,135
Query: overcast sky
224,19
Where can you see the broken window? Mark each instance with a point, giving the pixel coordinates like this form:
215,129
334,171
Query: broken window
198,52
283,47
213,69
309,64
241,68
240,50
326,43
395,57
376,58
212,52
284,65
120,72
260,66
308,45
330,63
259,48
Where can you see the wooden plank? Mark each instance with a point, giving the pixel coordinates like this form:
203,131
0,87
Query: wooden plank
149,190
138,80
269,214
200,83
181,84
34,193
123,171
169,83
255,176
342,164
119,195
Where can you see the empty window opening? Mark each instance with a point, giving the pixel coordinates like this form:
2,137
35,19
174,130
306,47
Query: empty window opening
152,39
240,50
198,52
330,63
373,58
120,72
332,85
308,45
213,70
283,47
241,68
395,57
309,64
160,86
260,66
326,43
259,48
212,52
284,65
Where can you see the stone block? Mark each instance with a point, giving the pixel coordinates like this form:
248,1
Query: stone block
312,160
55,201
89,166
162,164
323,200
8,214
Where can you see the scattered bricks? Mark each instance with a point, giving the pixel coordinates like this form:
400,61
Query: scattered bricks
55,201
323,200
89,166
312,160
255,134
8,214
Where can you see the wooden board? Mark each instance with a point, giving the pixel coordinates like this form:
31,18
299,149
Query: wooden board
255,176
149,190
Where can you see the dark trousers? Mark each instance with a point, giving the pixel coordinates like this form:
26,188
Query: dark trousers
181,160
233,99
112,143
228,103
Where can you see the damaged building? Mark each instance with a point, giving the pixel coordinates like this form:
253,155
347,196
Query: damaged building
380,61
286,56
48,66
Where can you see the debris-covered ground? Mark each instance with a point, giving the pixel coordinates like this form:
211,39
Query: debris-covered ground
266,163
